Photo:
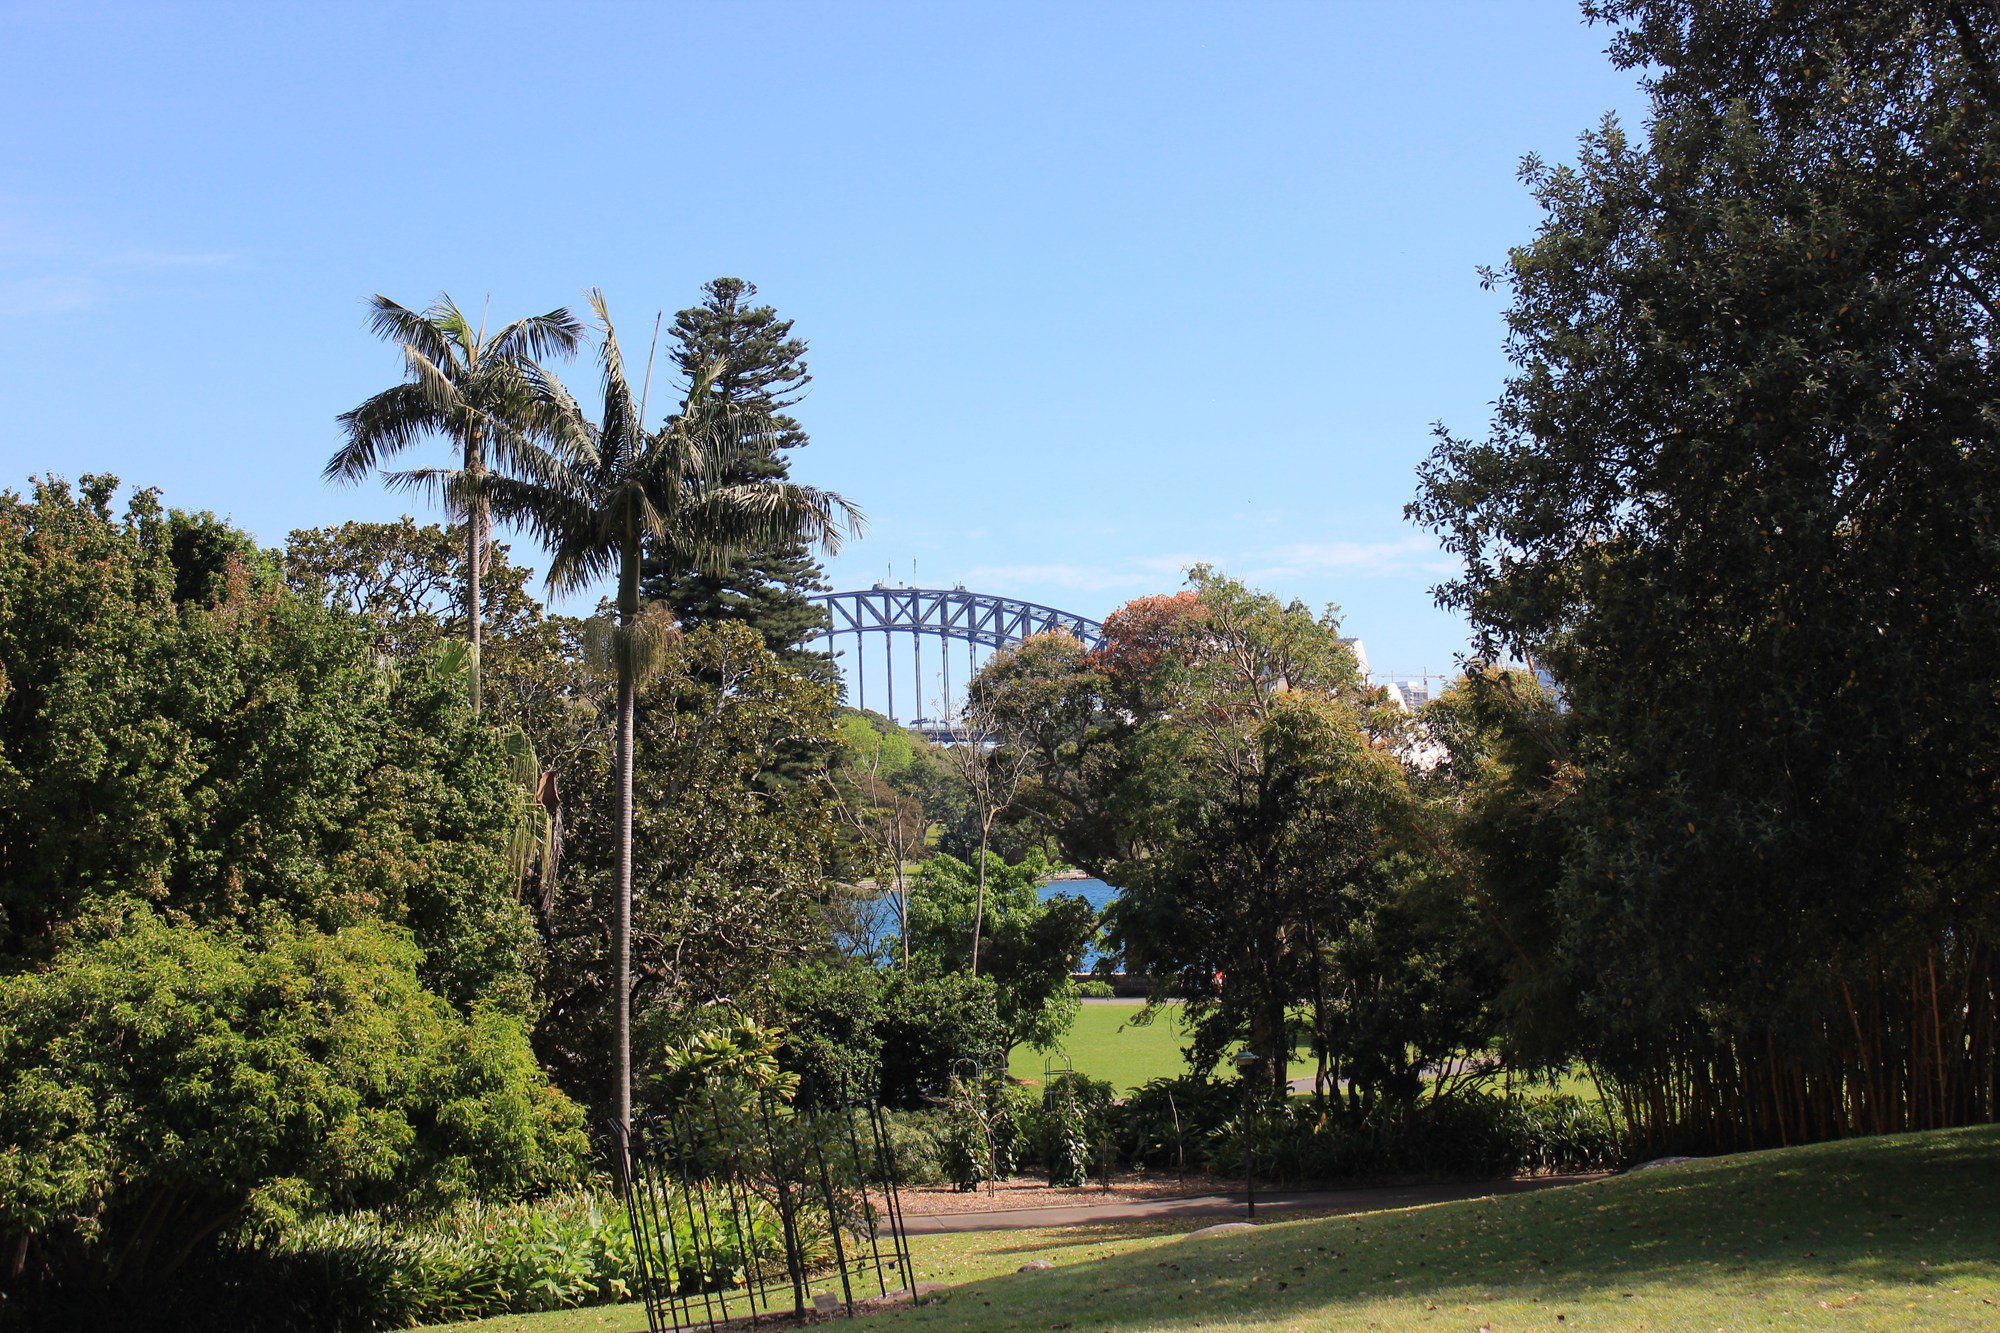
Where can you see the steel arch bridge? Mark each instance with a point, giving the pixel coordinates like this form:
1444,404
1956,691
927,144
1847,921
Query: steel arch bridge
949,615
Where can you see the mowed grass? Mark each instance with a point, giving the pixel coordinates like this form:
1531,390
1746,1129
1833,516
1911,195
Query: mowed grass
1900,1232
1105,1043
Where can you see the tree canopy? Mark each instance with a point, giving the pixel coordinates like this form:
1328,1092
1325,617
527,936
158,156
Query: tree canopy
1735,497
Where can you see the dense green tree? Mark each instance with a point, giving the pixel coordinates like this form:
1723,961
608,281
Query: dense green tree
1220,759
1032,946
482,394
931,1023
748,361
852,1025
405,581
603,496
179,727
1500,770
1737,497
401,581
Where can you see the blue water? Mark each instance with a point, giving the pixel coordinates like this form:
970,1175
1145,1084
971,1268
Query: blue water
1093,891
880,918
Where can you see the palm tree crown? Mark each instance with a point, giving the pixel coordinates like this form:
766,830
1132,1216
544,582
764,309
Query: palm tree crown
484,394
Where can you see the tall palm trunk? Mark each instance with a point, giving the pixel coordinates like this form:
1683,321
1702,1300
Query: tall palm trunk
621,945
475,556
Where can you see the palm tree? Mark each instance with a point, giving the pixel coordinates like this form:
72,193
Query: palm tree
601,496
480,393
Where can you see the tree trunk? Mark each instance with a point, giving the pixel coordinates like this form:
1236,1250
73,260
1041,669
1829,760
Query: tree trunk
979,904
903,906
621,944
475,556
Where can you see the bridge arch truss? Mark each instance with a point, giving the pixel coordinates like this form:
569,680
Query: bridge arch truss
904,617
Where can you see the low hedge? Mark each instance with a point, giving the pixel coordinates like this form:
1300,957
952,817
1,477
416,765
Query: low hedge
1468,1135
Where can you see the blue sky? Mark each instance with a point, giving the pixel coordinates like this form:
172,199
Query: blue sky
1093,290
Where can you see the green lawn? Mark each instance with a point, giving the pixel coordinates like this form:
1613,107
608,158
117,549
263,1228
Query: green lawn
1900,1232
1876,1233
1105,1043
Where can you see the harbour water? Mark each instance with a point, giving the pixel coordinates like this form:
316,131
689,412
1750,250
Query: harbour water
878,918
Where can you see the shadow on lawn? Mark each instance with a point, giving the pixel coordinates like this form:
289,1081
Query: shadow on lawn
1911,1210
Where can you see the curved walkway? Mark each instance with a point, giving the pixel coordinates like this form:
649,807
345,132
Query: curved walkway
1230,1205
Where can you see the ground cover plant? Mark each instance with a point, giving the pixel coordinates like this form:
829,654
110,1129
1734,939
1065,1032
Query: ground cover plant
566,1251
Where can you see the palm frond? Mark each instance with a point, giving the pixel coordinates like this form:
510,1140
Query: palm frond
441,485
619,422
723,521
397,324
574,567
455,327
556,509
557,333
381,428
436,385
553,416
725,437
702,383
516,453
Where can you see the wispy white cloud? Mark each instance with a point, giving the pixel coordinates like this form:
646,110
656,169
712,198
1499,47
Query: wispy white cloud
1139,574
46,294
162,259
50,270
1402,558
1405,557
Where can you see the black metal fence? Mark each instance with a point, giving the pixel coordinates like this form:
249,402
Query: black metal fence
743,1204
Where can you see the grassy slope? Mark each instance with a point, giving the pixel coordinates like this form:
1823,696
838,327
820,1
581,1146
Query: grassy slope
1870,1233
1873,1233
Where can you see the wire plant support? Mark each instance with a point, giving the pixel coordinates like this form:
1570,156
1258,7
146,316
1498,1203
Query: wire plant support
741,1203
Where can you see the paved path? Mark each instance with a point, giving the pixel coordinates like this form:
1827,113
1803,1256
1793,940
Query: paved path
1227,1205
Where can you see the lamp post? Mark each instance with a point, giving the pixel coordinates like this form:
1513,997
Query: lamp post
1246,1064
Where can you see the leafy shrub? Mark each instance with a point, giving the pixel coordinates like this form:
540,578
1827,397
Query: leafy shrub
1471,1135
863,1028
160,1082
1167,1114
1565,1133
928,1025
1061,1126
968,1159
1066,1140
1095,990
832,1018
918,1140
